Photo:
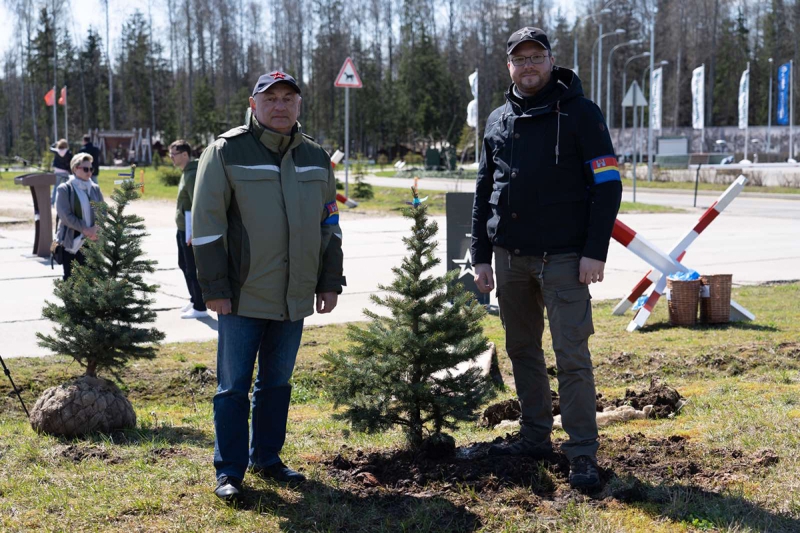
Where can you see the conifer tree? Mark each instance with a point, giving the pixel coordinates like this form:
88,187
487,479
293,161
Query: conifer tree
105,301
392,373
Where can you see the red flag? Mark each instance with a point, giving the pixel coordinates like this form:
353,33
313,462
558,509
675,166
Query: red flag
63,98
50,97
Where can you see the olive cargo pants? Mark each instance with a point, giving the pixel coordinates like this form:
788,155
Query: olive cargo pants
525,287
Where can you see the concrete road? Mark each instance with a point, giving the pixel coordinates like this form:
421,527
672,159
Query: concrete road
756,240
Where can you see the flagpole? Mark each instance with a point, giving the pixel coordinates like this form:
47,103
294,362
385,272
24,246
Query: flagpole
55,116
477,116
791,109
747,114
66,117
703,112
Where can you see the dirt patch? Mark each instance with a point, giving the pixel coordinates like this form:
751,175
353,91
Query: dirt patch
631,469
409,473
77,453
664,399
165,453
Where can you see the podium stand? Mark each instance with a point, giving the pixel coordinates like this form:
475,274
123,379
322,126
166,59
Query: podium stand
40,190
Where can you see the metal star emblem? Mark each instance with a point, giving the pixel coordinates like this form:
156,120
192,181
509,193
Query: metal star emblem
278,75
465,265
525,32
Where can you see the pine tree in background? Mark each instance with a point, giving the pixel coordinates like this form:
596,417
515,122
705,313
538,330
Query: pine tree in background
393,372
105,301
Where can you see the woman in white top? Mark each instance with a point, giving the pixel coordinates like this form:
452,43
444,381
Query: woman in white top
75,213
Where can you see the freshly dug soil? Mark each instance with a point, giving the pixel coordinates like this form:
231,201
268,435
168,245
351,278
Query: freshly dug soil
639,465
664,399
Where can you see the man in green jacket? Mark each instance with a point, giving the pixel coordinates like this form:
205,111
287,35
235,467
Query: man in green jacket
181,154
267,242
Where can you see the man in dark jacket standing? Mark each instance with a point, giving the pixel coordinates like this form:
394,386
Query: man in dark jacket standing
547,195
181,154
89,148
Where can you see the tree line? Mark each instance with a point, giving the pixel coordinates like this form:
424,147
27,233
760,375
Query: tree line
414,57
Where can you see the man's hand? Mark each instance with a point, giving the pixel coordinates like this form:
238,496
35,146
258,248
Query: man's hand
326,302
221,306
484,277
591,270
188,242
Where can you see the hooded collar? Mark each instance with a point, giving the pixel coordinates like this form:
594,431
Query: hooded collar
274,141
564,85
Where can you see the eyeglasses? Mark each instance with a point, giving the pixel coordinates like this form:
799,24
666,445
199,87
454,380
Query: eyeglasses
175,154
85,169
537,59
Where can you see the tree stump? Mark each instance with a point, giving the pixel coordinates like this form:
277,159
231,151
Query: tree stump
81,407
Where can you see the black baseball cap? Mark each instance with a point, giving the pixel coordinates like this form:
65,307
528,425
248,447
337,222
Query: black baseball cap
528,33
276,76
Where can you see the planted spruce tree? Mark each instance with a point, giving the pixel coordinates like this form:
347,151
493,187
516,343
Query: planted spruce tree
101,321
398,370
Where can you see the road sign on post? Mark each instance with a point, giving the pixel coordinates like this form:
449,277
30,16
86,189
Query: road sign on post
347,78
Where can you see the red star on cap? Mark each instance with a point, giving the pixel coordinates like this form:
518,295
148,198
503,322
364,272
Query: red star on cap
278,75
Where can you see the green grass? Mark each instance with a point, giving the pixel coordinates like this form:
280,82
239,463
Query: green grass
742,381
153,188
641,182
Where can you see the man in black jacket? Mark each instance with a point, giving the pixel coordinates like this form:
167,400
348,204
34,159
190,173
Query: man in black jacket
89,148
547,195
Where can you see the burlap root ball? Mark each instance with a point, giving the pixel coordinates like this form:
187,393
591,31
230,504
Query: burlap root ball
83,406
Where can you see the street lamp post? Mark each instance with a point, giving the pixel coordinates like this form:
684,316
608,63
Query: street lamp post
625,82
618,31
769,114
578,22
652,67
609,85
595,93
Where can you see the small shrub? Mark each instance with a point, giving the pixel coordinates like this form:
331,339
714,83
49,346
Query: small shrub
412,158
339,185
382,161
170,176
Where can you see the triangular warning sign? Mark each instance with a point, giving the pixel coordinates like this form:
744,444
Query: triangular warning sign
348,77
641,101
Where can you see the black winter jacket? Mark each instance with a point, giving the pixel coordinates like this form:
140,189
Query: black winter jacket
548,180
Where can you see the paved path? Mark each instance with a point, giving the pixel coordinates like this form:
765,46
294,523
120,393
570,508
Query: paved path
756,240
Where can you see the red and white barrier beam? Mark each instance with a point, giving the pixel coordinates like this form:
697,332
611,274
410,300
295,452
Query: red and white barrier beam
679,250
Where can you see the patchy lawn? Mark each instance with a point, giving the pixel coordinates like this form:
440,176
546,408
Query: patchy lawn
727,462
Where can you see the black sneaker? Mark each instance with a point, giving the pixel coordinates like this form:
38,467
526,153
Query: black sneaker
228,489
583,473
523,447
279,472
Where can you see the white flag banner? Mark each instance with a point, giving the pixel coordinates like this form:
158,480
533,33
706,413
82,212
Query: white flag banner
472,114
473,84
698,97
656,83
744,99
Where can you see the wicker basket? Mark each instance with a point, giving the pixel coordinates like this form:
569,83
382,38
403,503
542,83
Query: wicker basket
682,302
715,303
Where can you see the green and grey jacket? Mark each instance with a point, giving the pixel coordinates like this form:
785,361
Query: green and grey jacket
185,194
265,223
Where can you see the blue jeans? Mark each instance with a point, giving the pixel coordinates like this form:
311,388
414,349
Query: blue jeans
275,343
